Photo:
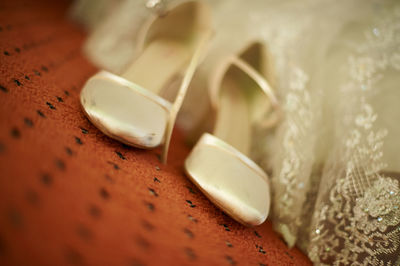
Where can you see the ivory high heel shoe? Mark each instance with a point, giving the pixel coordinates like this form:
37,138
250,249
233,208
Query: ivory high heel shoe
218,164
128,107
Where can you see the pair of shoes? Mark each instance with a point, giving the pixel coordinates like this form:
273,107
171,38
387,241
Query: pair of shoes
129,107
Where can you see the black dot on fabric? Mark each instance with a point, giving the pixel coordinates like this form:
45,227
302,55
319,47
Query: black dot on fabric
190,204
147,225
260,249
3,89
95,211
84,232
109,179
84,130
40,113
32,197
74,257
27,77
6,53
46,179
51,105
16,81
69,151
191,218
15,133
153,192
17,50
78,141
149,206
288,254
2,147
257,234
120,155
66,93
37,73
228,244
226,227
115,166
59,99
15,218
155,179
136,262
60,164
142,242
104,193
191,190
188,232
28,122
45,69
190,253
230,260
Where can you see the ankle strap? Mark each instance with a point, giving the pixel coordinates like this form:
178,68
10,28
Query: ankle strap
275,116
257,77
260,80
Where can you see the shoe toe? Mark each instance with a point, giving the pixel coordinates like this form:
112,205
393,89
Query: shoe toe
230,180
125,111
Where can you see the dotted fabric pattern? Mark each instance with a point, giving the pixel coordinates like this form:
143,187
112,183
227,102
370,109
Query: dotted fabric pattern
72,196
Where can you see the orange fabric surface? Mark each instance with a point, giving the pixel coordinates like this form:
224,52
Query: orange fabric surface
70,195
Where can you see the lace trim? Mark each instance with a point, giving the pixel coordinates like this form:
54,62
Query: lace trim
358,221
288,179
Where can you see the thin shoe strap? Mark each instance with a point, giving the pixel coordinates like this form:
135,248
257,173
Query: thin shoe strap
266,88
189,72
257,77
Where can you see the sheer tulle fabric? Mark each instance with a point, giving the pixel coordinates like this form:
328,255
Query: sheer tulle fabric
334,158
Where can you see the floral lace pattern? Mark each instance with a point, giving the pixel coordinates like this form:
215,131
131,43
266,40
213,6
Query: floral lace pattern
357,220
368,235
379,208
298,121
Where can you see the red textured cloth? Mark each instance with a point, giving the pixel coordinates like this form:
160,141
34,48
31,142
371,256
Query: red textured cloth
70,195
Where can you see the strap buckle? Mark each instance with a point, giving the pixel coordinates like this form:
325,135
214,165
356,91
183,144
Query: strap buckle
157,6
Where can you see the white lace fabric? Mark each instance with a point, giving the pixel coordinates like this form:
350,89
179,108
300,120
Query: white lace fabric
357,211
334,158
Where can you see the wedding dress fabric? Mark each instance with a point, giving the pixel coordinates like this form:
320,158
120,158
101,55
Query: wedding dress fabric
334,157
